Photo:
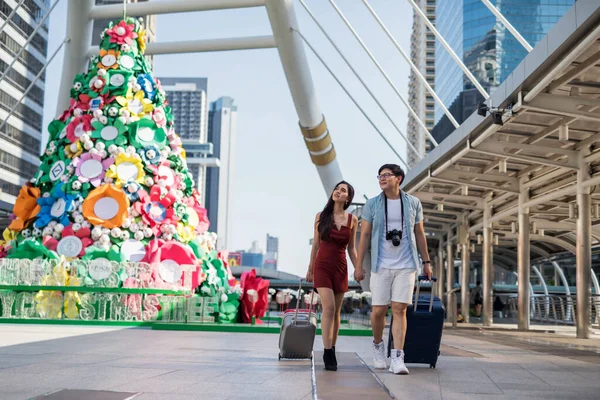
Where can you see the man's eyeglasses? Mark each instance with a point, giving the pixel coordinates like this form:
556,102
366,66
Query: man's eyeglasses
384,176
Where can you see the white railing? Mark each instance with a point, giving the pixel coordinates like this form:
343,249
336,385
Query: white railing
556,309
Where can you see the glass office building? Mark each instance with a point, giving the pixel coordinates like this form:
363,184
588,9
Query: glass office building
21,95
488,49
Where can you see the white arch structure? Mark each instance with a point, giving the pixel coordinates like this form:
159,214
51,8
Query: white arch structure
81,14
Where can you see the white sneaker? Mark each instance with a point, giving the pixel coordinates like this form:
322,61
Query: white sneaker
397,365
379,360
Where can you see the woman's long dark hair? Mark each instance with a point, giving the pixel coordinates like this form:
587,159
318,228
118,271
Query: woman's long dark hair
326,219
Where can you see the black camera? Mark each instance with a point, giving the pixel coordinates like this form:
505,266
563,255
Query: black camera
395,236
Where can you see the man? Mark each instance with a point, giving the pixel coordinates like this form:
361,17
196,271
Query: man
394,221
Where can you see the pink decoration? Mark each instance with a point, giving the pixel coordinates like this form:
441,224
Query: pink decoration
67,113
122,33
159,250
159,117
79,126
194,202
164,172
83,234
154,210
79,161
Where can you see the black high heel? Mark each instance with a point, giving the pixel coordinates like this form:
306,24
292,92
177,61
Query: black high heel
334,357
329,360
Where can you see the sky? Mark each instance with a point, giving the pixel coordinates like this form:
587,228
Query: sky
276,189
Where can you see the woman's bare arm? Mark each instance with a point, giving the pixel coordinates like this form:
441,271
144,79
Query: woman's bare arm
314,250
352,244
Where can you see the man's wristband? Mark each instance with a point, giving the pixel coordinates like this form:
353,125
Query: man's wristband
426,262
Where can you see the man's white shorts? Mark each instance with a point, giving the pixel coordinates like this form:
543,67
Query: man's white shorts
392,285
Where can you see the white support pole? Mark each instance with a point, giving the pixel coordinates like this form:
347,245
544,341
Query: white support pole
508,25
295,65
360,79
464,285
457,59
412,65
385,75
207,45
449,273
584,250
9,18
523,262
352,98
79,33
29,39
440,281
488,267
155,7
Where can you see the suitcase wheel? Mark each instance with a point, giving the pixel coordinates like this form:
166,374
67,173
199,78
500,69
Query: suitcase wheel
431,365
279,356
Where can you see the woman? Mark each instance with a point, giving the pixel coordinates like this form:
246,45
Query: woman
334,232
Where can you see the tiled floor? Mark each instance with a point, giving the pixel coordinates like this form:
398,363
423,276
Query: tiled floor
169,365
161,364
353,379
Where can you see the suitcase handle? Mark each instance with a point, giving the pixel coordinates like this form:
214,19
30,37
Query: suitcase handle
419,279
298,303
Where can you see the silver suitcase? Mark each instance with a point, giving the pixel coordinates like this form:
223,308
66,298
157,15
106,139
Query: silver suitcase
298,330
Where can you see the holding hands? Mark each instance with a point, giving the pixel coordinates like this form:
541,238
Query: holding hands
359,274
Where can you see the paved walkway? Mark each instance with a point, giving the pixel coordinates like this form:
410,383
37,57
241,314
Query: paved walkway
38,359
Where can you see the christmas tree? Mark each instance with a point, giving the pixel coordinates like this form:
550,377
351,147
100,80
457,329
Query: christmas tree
113,184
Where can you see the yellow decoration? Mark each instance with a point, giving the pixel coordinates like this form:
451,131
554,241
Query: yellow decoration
186,233
9,235
124,169
72,154
141,40
136,104
52,304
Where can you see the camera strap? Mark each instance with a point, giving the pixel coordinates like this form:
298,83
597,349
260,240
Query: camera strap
401,212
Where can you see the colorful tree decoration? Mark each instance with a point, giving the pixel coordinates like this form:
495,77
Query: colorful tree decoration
114,186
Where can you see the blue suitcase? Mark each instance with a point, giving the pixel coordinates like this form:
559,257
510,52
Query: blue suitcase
425,322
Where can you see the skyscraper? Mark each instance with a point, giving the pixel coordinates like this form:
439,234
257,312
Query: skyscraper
489,50
272,252
272,244
222,127
188,99
422,52
21,134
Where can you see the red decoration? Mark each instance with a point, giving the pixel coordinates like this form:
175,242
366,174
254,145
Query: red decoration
261,286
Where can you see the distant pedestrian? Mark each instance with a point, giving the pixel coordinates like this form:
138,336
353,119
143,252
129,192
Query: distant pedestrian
477,298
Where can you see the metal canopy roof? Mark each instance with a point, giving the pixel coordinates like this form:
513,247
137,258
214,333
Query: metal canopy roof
553,131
